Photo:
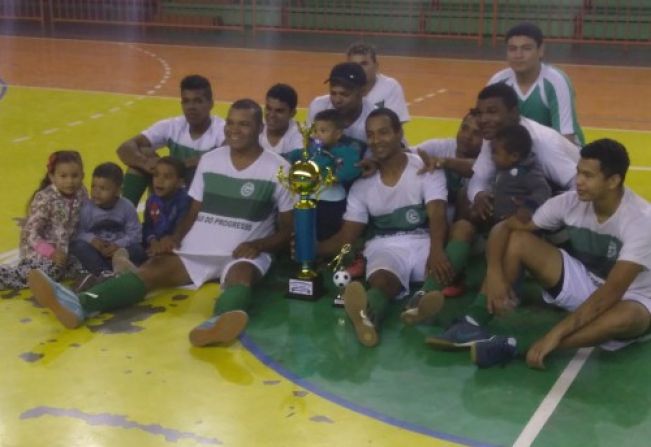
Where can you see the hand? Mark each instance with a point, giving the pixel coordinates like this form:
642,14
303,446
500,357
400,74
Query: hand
110,249
98,244
483,204
248,250
59,257
154,247
167,244
430,164
439,265
539,350
368,166
149,164
500,298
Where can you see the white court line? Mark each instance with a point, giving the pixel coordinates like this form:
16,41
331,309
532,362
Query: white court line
97,115
75,123
552,399
20,139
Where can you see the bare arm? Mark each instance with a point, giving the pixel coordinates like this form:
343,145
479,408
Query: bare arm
438,263
349,233
619,279
186,222
136,152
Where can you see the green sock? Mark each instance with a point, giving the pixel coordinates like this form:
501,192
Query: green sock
236,297
123,291
378,301
478,311
133,186
458,253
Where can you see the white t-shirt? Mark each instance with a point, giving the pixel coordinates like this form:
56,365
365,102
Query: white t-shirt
356,130
625,236
398,209
387,92
290,141
175,134
237,206
438,147
556,155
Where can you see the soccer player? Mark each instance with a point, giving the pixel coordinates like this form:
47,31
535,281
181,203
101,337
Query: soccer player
281,133
545,93
188,137
240,214
380,90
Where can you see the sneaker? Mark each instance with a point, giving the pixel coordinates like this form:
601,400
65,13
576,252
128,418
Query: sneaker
460,335
357,268
422,307
356,306
121,262
62,301
220,329
497,350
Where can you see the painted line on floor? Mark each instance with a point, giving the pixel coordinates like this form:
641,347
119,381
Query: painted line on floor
271,363
552,399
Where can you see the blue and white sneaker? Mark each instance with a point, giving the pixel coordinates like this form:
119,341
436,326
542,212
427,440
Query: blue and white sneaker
62,301
220,329
422,307
461,335
498,350
356,306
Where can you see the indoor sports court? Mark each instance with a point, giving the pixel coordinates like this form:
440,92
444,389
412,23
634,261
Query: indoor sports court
87,75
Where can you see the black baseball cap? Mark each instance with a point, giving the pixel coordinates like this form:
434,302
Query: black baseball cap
349,73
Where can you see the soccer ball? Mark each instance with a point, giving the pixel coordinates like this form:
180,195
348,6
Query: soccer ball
341,278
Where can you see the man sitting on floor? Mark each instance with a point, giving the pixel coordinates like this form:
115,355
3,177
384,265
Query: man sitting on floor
239,215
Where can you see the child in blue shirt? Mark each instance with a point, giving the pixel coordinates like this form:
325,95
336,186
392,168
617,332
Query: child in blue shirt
168,203
332,149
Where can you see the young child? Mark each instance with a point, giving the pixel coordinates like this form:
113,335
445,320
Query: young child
332,149
52,218
107,223
520,186
168,203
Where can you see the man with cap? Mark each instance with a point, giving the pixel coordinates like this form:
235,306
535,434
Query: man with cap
347,81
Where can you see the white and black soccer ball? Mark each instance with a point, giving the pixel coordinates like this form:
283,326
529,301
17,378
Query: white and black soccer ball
341,278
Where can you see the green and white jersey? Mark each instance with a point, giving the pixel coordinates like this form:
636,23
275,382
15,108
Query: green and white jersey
625,236
550,100
444,148
387,92
290,141
175,134
356,130
236,206
398,209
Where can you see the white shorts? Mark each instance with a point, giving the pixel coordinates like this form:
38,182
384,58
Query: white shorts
403,255
203,268
578,285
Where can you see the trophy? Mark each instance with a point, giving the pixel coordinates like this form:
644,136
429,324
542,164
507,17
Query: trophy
341,278
306,180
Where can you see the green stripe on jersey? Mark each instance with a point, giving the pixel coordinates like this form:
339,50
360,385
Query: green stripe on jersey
182,152
249,199
598,252
407,218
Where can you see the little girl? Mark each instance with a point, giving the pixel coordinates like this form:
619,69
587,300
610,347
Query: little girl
51,220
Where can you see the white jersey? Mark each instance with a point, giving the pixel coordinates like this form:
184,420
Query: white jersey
398,209
438,147
555,154
236,205
175,134
625,236
549,101
387,92
356,130
290,141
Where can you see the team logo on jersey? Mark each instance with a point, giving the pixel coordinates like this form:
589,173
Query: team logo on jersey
247,189
412,216
612,250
